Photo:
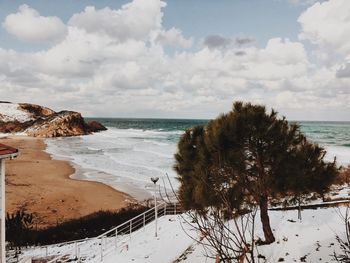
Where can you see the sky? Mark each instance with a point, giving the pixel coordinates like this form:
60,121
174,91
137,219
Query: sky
177,58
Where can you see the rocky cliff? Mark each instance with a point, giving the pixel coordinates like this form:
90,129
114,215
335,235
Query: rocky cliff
38,121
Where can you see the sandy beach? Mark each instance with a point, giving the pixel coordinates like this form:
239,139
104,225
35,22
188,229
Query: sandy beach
42,186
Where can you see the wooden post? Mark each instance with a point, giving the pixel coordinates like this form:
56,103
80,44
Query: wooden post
2,208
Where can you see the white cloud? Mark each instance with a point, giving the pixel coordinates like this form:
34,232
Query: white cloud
173,37
28,25
133,21
80,54
327,24
110,67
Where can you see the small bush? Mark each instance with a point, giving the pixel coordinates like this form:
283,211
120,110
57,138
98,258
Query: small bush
343,176
87,226
18,228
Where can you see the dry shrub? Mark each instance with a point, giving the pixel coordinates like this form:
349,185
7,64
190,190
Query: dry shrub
343,176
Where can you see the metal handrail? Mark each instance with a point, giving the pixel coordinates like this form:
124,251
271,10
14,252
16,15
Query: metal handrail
113,237
123,230
85,239
127,222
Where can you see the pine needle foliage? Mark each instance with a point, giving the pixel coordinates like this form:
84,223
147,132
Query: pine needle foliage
249,156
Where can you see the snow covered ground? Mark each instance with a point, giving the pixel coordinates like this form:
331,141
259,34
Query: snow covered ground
171,242
310,240
141,246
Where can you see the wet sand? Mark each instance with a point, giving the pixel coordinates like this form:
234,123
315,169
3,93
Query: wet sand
43,186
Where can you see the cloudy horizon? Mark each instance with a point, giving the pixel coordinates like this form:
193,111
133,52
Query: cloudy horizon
190,59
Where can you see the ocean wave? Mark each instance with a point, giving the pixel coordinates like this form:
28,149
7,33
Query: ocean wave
126,158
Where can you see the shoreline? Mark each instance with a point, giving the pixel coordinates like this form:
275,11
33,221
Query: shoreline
97,175
48,188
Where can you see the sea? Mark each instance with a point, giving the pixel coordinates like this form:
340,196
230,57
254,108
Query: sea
132,151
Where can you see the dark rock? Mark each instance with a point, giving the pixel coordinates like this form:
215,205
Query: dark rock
36,110
95,126
10,127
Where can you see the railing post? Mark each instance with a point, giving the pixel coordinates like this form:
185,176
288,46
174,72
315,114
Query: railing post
76,249
165,209
78,253
130,228
175,208
101,248
156,219
46,251
116,239
144,221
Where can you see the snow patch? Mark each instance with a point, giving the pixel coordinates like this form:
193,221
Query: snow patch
12,112
141,247
311,239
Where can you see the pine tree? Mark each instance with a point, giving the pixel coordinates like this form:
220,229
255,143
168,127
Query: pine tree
249,156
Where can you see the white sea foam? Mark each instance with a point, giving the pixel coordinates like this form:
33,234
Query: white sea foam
126,159
341,153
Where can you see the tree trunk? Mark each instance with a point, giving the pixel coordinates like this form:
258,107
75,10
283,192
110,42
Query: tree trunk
265,221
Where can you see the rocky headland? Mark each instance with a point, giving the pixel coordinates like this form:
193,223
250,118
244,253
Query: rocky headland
39,121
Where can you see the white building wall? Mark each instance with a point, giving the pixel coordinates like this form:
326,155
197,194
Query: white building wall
2,211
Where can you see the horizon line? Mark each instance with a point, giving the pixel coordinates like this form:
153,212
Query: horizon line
198,119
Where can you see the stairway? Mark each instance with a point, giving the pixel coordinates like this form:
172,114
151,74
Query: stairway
97,248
